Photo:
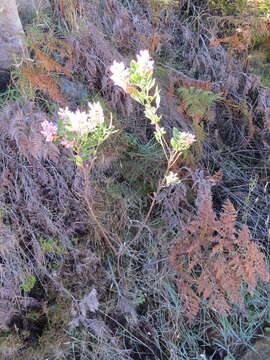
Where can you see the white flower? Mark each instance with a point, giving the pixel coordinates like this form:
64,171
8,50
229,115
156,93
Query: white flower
144,61
120,75
96,115
74,121
172,179
82,122
181,141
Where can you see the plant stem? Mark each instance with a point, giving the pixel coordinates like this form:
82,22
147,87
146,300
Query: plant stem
173,157
101,230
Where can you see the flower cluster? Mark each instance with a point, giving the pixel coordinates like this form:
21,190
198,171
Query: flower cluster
171,179
181,141
188,139
127,78
146,65
82,122
80,131
120,75
49,130
137,80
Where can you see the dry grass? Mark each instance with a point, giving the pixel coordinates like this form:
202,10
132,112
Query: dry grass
140,314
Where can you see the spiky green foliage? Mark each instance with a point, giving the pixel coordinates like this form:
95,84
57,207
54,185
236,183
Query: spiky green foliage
196,103
228,7
10,95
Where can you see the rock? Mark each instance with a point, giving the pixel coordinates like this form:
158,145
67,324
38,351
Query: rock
11,42
261,350
73,91
4,80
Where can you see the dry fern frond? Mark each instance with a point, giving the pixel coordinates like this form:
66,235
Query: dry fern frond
118,25
247,32
213,259
94,56
40,80
21,123
57,45
184,81
240,40
49,64
40,75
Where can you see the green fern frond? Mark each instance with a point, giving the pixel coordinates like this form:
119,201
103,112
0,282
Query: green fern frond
197,101
196,104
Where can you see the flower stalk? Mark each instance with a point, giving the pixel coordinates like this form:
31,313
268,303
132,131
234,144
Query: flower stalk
138,82
82,132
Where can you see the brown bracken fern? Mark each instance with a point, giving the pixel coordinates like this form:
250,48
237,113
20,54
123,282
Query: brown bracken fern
213,260
40,74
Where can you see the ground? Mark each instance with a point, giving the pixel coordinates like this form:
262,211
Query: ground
98,260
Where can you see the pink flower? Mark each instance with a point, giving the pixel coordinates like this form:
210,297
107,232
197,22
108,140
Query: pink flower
145,64
188,138
49,130
120,75
67,144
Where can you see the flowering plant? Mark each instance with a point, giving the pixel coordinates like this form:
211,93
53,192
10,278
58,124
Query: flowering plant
138,82
80,131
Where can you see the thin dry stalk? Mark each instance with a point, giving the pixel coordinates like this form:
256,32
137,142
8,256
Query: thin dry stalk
86,168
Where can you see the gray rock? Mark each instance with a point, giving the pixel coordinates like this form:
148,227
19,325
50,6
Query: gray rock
73,91
11,42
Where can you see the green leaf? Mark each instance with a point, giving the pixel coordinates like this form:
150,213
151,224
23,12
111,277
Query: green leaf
197,101
78,160
29,283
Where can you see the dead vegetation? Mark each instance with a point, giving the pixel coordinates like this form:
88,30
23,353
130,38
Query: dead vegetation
212,258
40,75
86,302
